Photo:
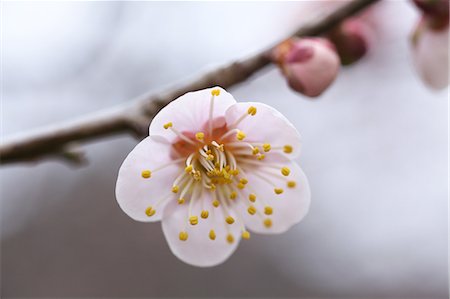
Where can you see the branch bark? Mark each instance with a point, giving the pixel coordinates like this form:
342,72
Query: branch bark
57,141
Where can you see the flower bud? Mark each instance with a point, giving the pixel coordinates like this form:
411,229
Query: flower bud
310,65
351,40
430,54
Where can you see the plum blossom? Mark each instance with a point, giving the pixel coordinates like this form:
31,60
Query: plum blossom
310,65
211,171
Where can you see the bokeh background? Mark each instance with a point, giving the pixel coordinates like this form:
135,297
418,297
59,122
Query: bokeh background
375,152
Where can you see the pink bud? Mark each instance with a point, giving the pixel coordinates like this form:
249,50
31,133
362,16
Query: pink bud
309,64
430,54
351,40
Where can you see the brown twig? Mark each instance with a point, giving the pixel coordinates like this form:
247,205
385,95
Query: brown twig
135,117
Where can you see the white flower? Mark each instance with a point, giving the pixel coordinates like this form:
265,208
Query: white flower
211,169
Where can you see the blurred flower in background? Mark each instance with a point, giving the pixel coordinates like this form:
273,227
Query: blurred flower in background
429,43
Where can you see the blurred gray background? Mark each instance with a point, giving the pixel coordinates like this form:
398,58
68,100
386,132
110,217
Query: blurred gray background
375,152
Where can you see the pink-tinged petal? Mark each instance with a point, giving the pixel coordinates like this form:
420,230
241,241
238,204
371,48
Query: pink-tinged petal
190,112
430,54
266,126
135,193
199,250
289,207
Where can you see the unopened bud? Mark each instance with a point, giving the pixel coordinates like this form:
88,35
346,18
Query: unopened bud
310,65
351,40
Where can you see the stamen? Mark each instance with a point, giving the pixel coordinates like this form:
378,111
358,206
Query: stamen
266,147
214,93
243,181
168,125
204,214
183,235
268,210
216,203
150,211
212,234
188,169
251,210
291,184
251,110
246,235
146,174
181,200
175,189
240,135
252,197
230,238
267,222
261,157
200,136
278,190
285,171
288,149
193,219
229,220
233,195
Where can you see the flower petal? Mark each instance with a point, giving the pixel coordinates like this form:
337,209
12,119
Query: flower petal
134,193
199,250
288,208
266,126
190,112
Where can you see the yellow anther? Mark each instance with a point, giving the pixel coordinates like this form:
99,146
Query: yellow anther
188,168
288,149
233,195
212,234
266,147
291,184
240,135
200,136
146,174
234,172
268,210
245,235
230,238
175,189
150,211
204,214
278,190
212,187
285,171
252,197
267,222
168,125
183,236
229,220
251,110
241,186
243,181
261,157
215,92
210,157
181,201
251,210
193,220
255,151
215,203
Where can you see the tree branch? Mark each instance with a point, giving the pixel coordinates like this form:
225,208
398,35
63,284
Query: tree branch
134,117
